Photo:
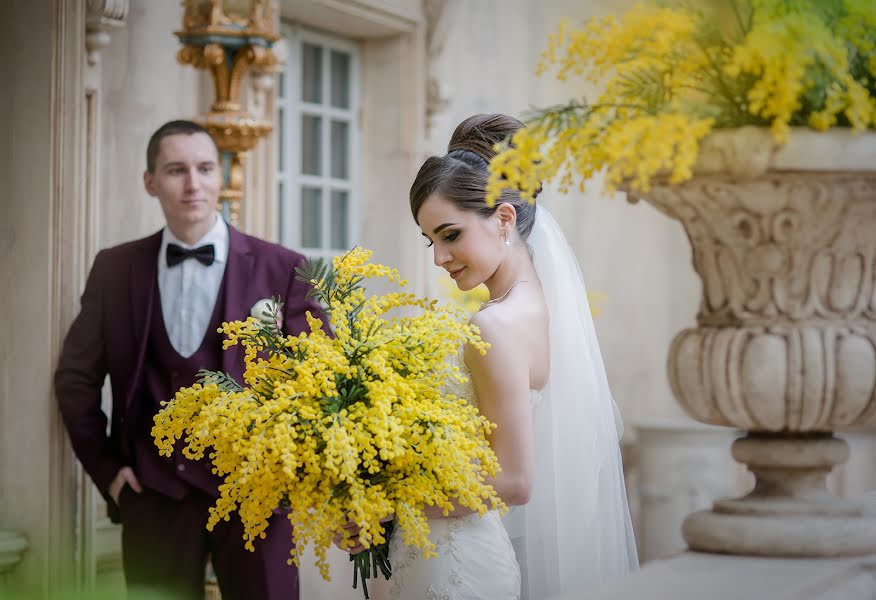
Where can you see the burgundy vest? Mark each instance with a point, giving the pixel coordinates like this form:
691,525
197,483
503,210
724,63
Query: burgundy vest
164,372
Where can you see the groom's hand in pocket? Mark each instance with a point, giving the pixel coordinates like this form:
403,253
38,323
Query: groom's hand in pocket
123,477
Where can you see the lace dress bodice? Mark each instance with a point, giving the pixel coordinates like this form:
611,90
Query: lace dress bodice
475,558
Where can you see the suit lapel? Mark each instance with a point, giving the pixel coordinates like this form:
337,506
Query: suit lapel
144,268
238,272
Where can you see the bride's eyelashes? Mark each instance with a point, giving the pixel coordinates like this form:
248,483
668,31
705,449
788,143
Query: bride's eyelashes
448,237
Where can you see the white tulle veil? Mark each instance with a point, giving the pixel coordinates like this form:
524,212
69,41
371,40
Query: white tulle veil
575,532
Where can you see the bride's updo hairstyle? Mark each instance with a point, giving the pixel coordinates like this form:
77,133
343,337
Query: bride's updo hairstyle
461,175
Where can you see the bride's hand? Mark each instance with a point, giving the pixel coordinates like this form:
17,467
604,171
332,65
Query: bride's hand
353,530
437,512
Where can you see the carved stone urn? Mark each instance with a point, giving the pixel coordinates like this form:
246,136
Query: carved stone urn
784,240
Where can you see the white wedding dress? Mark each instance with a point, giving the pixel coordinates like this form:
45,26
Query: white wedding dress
475,559
575,532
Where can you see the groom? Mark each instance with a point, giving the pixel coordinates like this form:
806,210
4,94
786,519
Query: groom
149,319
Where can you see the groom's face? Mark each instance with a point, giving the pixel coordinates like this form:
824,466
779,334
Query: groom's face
469,247
187,180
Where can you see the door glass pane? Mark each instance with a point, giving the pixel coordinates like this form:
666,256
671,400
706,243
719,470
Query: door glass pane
281,142
339,220
311,145
281,85
340,149
340,79
311,217
282,209
311,73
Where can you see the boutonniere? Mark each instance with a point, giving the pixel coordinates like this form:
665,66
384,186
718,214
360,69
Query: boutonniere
267,310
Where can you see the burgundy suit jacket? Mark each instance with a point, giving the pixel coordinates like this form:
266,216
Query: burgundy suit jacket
110,333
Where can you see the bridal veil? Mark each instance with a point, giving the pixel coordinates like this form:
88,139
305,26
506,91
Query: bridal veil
575,532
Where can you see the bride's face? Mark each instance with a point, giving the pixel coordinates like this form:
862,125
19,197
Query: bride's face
468,246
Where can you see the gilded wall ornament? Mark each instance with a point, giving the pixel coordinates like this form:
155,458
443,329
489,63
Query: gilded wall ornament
227,38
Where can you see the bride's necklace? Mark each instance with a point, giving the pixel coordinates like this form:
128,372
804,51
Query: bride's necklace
502,297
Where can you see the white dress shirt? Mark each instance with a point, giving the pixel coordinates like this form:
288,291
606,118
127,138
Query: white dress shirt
189,290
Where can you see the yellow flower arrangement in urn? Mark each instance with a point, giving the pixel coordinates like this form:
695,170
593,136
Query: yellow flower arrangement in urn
751,123
352,426
670,72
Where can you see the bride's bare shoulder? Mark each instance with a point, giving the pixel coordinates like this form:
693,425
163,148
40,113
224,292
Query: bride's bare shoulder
514,321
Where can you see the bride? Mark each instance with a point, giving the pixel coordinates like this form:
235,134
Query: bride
542,383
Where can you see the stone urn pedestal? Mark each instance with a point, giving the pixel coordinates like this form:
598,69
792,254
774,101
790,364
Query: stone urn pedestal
784,240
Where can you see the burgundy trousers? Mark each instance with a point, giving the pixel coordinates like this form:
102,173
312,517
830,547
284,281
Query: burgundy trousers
165,547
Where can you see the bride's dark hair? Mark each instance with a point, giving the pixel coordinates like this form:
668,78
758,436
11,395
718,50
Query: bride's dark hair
460,176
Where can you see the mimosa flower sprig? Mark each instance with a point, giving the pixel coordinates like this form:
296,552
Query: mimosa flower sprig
669,75
350,426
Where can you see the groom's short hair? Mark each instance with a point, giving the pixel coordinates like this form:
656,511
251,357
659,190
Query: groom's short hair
171,128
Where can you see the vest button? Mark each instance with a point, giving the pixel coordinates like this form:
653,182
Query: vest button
181,467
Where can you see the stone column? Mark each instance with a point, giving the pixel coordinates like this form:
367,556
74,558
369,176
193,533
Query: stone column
683,466
41,149
103,18
785,344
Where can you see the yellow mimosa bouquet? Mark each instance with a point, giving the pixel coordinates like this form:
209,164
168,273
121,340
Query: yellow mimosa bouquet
354,426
